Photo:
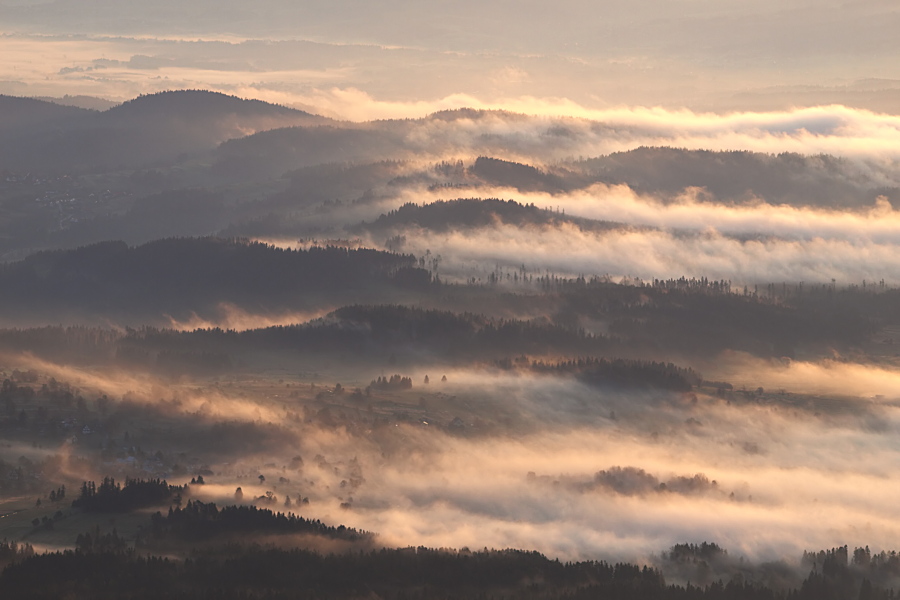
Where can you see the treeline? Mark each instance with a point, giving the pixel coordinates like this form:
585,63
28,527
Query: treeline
700,317
110,496
419,573
693,317
630,481
198,521
468,213
786,178
362,329
374,328
697,319
620,372
198,103
520,176
395,382
11,552
837,574
707,324
178,274
253,572
715,286
105,565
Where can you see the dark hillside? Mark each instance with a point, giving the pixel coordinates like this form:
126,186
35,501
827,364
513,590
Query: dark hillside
177,275
786,178
200,104
20,113
149,130
467,213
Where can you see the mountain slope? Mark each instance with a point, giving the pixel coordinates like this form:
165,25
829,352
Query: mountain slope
153,129
17,114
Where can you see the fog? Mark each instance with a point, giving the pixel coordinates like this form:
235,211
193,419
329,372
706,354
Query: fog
569,251
690,233
799,477
534,463
229,316
843,377
561,128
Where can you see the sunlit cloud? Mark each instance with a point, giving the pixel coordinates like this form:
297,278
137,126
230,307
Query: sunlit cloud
836,377
121,68
648,255
669,237
230,317
780,478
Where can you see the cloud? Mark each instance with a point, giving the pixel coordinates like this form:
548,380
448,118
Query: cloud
228,316
802,488
835,130
686,235
570,251
786,478
477,493
336,80
828,377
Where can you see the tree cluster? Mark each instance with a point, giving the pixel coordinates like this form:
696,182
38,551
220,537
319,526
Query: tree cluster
198,521
395,382
110,496
623,372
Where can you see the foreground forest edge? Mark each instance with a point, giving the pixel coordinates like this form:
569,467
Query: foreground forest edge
105,565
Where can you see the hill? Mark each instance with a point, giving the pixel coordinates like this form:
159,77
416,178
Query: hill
180,276
274,152
153,129
786,178
89,102
17,114
200,104
468,213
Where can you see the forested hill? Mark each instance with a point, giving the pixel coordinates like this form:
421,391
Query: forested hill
377,331
422,573
19,113
201,104
147,130
467,213
190,273
245,552
281,150
520,176
648,321
786,178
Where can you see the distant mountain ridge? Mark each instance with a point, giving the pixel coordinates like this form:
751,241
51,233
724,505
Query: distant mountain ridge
786,178
80,101
158,127
177,274
17,113
202,104
468,213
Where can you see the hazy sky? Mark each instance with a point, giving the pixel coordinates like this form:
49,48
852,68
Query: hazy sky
700,54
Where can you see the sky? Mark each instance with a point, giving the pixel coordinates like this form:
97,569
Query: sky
397,59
